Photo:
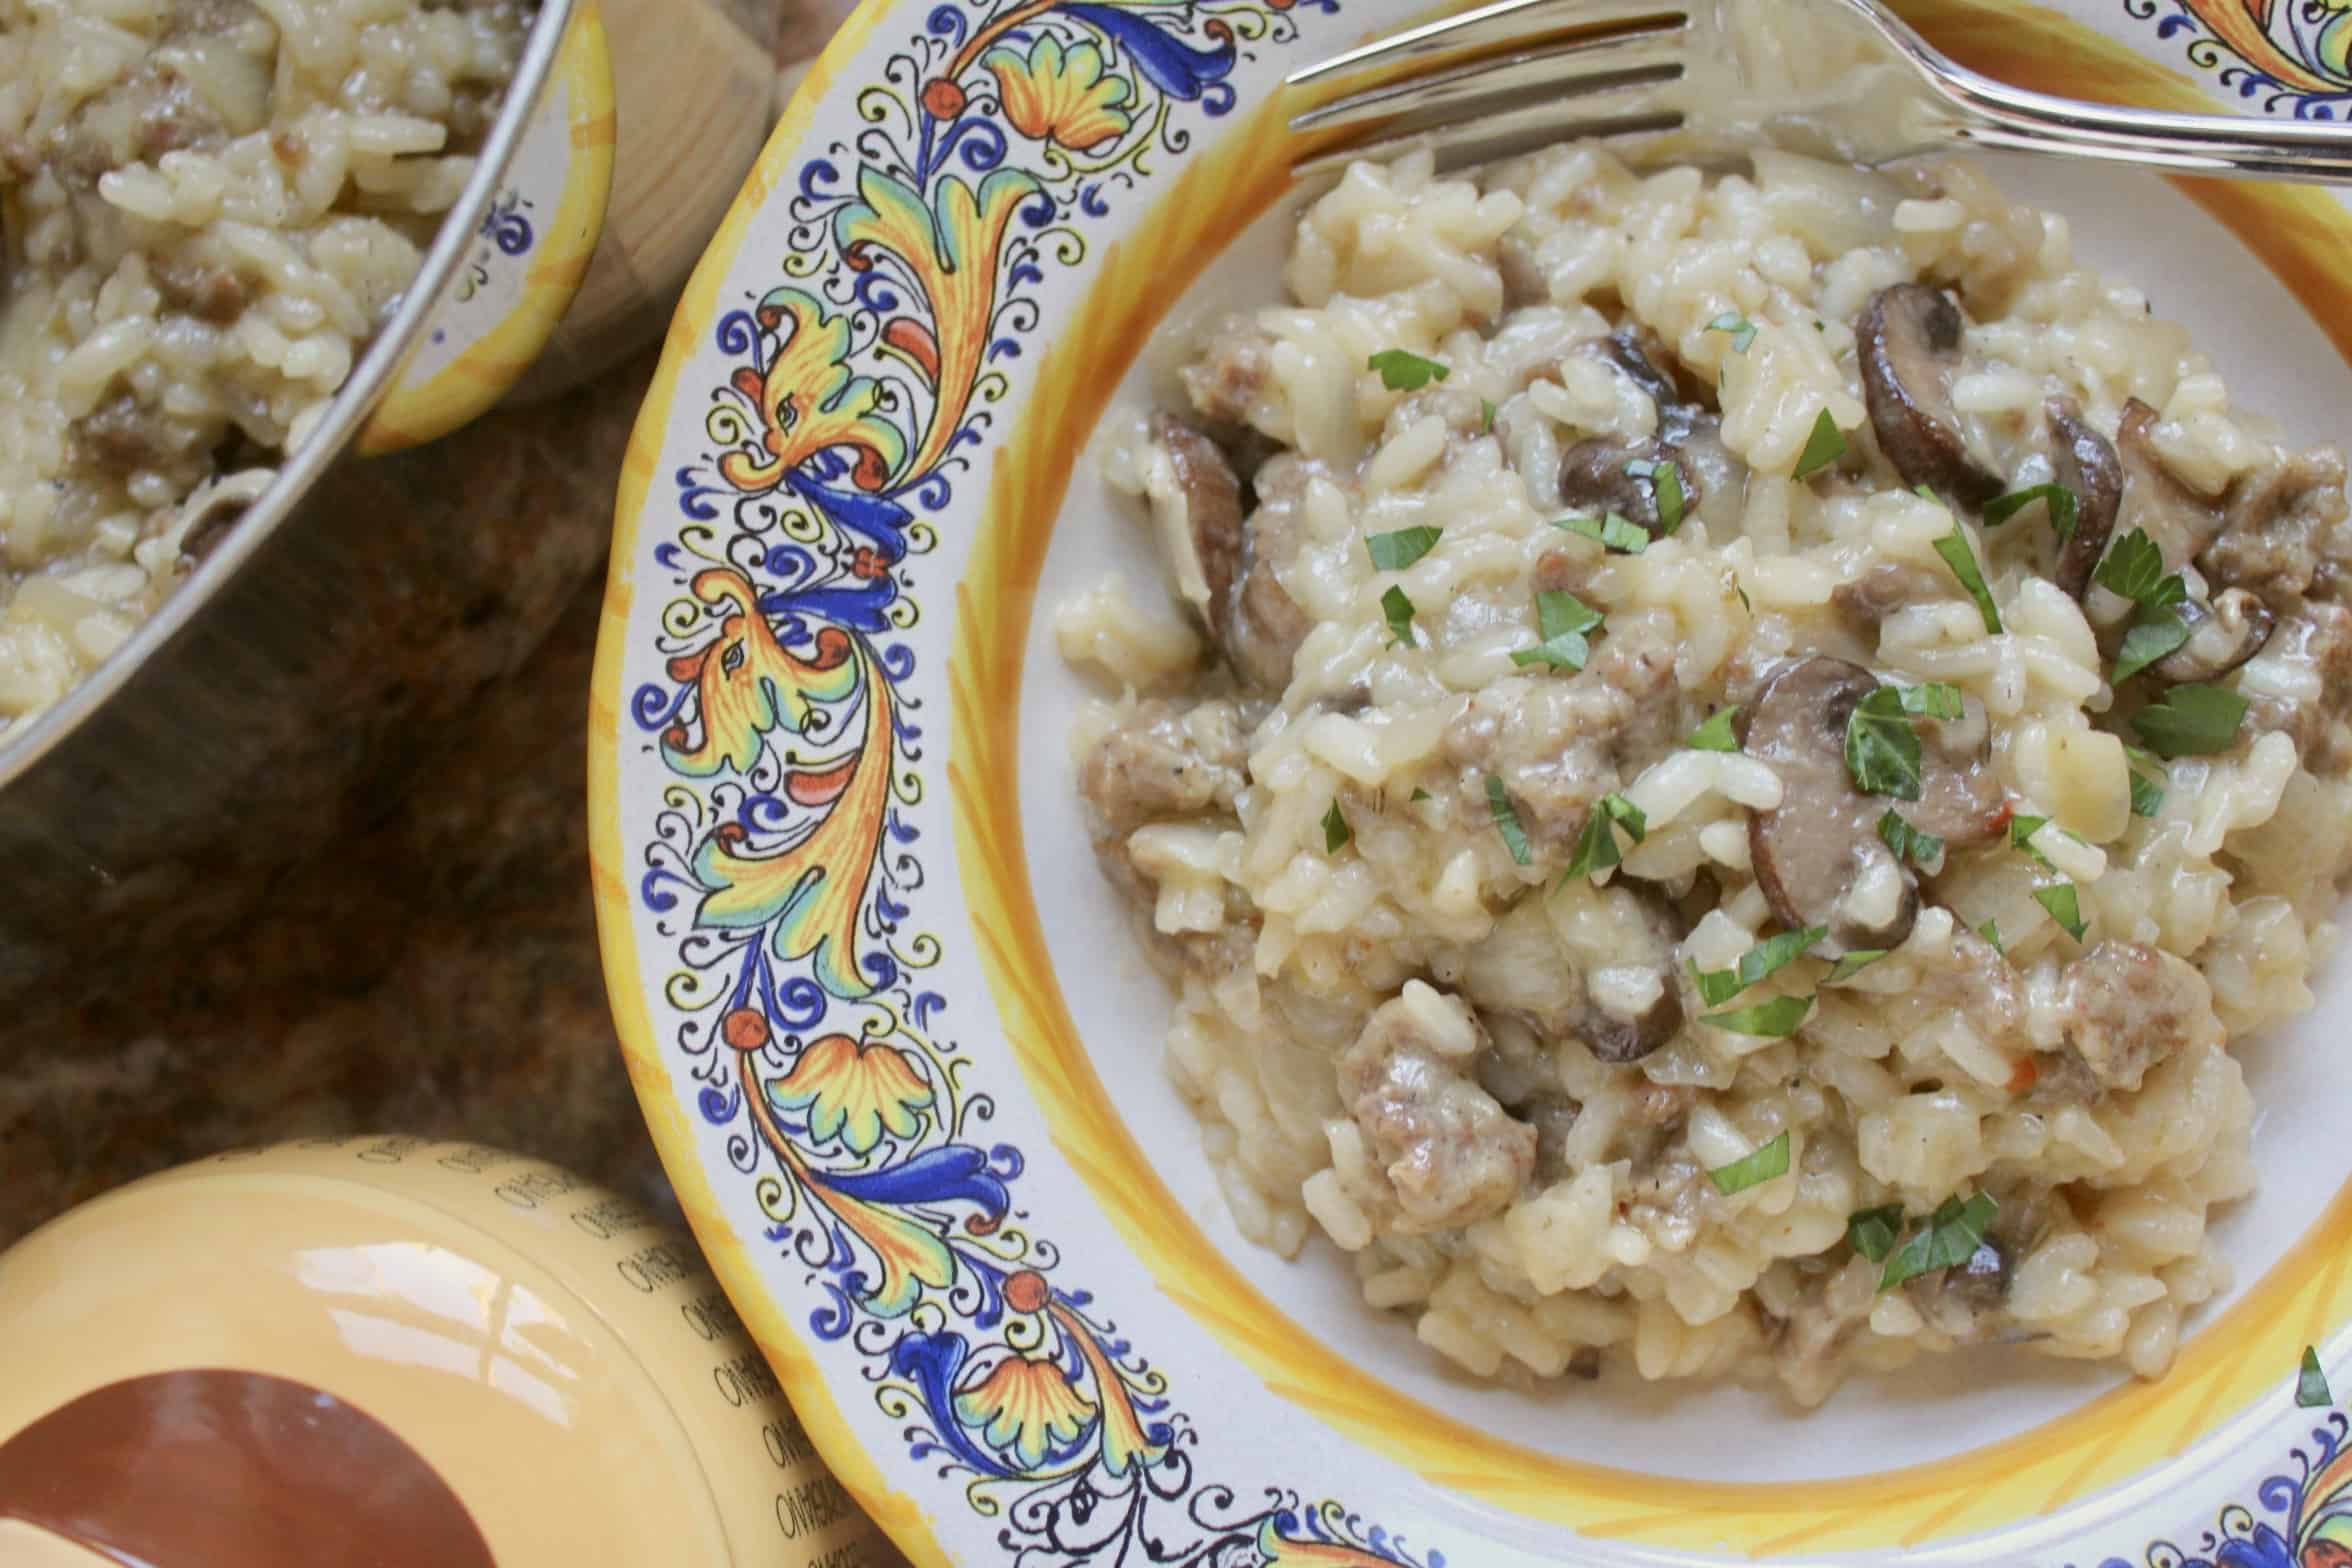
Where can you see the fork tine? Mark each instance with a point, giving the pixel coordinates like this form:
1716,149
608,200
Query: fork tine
1621,60
1501,22
1459,143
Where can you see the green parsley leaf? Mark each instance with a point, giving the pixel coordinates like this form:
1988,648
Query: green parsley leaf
2060,501
1742,330
1873,1232
1854,961
1403,371
2152,635
1932,700
2022,828
1399,611
1775,1020
2134,568
1882,750
1991,932
1950,1237
2147,793
1715,734
1486,413
1957,554
1596,846
1666,485
1419,795
1615,531
2311,1384
1774,953
1562,620
1336,831
1506,821
2064,905
1909,843
1741,1174
2191,721
1393,552
1743,593
1823,447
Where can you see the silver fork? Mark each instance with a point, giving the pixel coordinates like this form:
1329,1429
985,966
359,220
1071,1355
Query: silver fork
1516,74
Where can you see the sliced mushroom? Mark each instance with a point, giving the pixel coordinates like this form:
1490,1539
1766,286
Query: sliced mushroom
1865,602
1960,801
1908,338
1817,855
1251,614
2281,518
2222,636
2083,461
2180,521
1595,473
1633,1005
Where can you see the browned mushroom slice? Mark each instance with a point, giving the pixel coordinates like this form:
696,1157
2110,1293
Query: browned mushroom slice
2222,636
1634,1006
1637,351
1594,478
1212,503
2280,519
1248,610
1817,855
2180,521
1908,337
2083,461
1960,801
1864,603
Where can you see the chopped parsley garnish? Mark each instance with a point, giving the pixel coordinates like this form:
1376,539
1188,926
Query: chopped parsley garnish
1742,330
1957,554
1399,610
2022,828
1336,831
1823,447
1596,847
2060,501
1873,1232
1562,620
1741,1174
2147,792
2151,635
2191,721
1506,821
1715,734
1991,932
1854,962
1882,750
1950,1237
1393,552
1419,795
1486,413
2064,905
1909,843
1774,953
1932,700
1665,488
1615,531
2134,568
1404,371
1776,1019
2311,1384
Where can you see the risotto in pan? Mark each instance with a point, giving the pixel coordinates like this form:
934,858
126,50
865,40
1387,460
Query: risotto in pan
1744,751
207,208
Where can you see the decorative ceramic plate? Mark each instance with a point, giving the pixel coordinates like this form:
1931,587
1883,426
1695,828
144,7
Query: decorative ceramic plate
885,1017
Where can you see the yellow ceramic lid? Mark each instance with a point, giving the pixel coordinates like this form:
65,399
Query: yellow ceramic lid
463,1357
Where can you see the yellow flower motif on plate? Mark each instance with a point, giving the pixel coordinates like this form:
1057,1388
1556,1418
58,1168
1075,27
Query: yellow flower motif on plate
1061,94
1025,1405
854,1092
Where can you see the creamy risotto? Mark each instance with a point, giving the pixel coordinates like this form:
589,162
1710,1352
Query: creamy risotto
207,207
1745,749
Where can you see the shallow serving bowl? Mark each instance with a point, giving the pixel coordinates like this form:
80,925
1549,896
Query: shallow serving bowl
886,1020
